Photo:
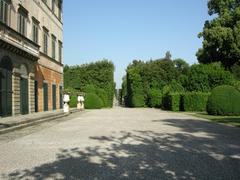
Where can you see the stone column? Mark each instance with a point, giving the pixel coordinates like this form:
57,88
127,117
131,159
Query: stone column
16,92
31,93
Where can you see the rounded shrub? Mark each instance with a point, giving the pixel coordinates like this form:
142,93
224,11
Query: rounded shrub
224,100
93,101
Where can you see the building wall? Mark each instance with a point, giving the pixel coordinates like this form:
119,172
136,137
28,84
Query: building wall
46,68
17,61
44,74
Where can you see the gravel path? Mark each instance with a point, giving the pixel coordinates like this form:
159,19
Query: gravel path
122,143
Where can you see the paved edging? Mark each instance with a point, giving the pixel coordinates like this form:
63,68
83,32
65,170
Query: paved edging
32,122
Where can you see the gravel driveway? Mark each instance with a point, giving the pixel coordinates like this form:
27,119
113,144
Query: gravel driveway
123,143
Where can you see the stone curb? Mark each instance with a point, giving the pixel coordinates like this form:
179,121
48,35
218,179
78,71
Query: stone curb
32,122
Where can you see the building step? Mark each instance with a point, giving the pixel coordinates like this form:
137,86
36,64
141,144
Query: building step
20,122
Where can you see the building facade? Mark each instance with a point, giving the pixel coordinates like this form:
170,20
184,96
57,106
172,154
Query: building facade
31,56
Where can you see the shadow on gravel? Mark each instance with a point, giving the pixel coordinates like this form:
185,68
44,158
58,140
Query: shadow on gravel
150,155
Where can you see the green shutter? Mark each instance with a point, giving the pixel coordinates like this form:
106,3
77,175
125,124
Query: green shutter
61,97
24,95
54,99
45,96
36,95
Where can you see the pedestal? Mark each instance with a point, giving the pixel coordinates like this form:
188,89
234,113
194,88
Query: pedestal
66,108
80,106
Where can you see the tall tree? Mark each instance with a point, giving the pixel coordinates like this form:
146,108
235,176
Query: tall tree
168,55
221,35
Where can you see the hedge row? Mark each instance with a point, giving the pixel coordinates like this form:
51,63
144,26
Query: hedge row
192,101
172,102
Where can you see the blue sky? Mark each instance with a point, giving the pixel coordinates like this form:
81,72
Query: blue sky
123,30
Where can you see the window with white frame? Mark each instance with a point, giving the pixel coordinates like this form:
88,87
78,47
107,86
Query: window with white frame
35,27
4,11
60,47
22,21
45,40
53,47
60,9
53,6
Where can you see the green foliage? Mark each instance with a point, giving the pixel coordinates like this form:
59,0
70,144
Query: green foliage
104,97
224,100
181,66
142,77
236,84
203,78
92,101
99,92
90,77
135,90
221,35
170,77
194,101
173,87
172,101
89,88
236,71
154,98
137,100
73,101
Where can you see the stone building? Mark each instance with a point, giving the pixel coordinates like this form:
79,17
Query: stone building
31,66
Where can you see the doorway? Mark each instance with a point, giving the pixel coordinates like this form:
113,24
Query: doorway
6,87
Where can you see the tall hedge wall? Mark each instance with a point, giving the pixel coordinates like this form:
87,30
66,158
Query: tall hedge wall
99,75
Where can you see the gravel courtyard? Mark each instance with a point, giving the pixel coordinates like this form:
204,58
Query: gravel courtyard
122,143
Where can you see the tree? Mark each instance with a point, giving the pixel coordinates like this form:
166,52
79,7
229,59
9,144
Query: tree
221,35
168,55
181,66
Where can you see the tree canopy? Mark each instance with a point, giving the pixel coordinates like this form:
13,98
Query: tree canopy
221,35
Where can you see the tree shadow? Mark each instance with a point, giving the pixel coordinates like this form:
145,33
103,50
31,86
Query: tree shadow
147,155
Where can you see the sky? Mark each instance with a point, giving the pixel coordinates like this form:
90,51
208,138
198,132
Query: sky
124,30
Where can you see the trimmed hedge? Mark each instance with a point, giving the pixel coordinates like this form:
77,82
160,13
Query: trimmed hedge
137,100
73,101
194,101
104,97
92,101
172,101
154,98
224,100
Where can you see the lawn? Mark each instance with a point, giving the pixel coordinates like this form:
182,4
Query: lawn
230,120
